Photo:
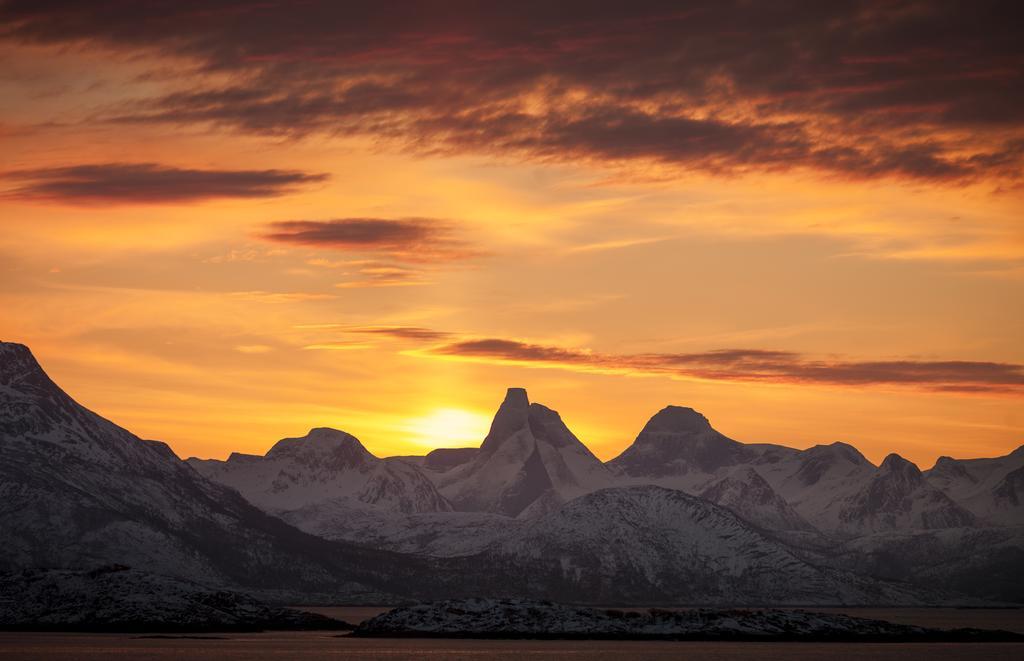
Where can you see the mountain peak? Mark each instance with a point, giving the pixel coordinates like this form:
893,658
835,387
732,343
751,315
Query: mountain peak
530,457
897,464
678,441
512,415
516,397
839,449
949,468
16,362
321,441
677,419
13,348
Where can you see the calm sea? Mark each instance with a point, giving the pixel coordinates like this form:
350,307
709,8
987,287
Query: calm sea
258,647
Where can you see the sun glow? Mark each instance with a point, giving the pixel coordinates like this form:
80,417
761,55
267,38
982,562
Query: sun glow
448,428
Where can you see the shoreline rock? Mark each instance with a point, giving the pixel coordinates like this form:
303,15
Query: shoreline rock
516,619
116,598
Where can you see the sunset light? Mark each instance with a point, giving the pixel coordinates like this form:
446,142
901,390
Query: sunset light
540,329
449,428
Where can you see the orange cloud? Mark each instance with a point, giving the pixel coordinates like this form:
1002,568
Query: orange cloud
861,90
404,239
751,365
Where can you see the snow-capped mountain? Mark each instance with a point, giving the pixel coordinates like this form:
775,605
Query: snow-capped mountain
832,488
817,481
528,464
685,515
76,490
747,495
771,486
441,534
979,561
991,489
897,497
679,449
326,468
651,544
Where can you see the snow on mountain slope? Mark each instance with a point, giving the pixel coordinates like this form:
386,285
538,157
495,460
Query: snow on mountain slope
898,498
529,456
323,470
983,562
747,495
679,449
442,534
991,489
77,490
833,488
818,481
655,545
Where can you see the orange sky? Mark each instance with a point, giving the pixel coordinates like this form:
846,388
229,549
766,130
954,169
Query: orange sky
228,275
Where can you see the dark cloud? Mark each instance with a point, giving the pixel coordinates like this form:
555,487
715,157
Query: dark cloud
855,88
404,239
149,182
757,366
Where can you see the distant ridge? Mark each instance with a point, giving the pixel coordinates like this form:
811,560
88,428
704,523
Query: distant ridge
684,515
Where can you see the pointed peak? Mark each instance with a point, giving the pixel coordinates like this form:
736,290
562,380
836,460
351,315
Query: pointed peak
897,464
516,397
512,415
677,419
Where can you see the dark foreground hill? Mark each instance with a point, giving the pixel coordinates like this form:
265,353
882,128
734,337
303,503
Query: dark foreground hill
482,618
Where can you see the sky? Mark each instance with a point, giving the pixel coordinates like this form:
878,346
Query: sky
227,223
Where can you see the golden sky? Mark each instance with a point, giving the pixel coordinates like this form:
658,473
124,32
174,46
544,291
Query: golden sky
226,224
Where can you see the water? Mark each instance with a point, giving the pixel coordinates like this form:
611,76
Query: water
288,645
278,646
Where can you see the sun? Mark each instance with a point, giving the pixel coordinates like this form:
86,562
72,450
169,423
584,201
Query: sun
449,427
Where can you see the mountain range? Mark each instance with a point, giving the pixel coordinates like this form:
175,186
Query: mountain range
684,515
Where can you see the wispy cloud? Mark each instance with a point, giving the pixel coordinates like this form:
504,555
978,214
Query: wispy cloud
410,240
384,275
402,332
142,183
615,244
278,296
740,365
